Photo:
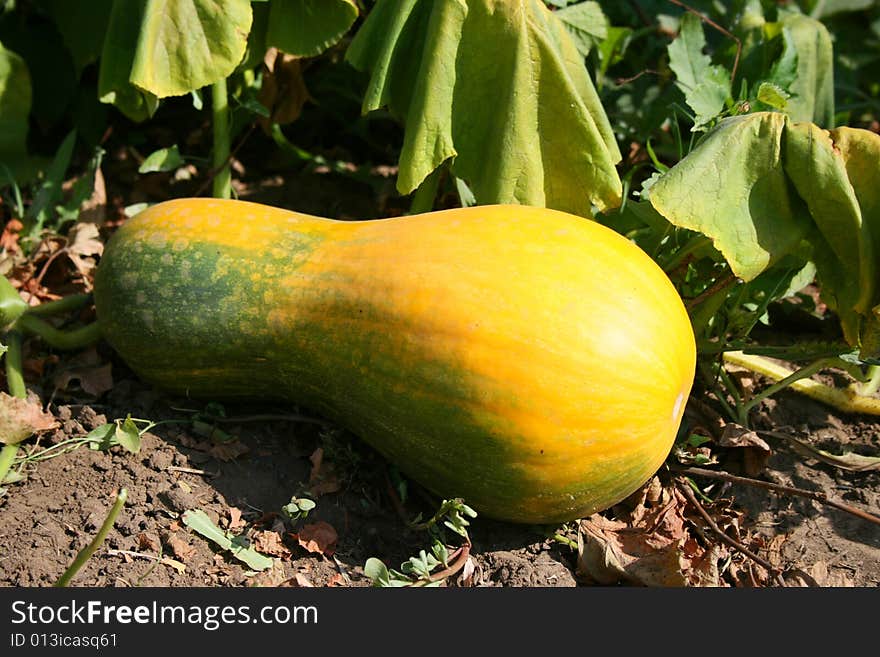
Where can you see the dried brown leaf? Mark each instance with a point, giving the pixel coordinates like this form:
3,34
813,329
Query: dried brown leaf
826,577
298,581
609,552
318,537
653,547
94,381
83,246
755,450
271,543
283,90
337,579
179,547
148,541
235,521
9,237
94,209
848,461
21,418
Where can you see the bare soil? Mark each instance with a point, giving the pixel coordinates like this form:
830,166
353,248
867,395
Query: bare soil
47,518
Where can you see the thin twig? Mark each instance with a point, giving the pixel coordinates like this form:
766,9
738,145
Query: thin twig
168,561
818,496
723,31
648,71
692,499
717,286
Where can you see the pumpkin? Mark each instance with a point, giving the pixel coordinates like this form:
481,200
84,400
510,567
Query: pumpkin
534,363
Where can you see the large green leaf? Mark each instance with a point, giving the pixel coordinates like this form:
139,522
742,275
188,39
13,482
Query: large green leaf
497,87
813,89
732,187
15,106
159,48
762,187
308,27
184,45
819,174
117,56
858,152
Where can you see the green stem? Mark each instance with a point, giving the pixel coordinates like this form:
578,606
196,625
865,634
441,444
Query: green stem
12,306
7,457
288,147
222,186
64,340
872,385
54,450
14,375
17,388
565,540
802,373
845,400
67,304
89,550
423,199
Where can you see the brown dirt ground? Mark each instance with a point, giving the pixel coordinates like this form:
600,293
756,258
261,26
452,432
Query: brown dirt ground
47,518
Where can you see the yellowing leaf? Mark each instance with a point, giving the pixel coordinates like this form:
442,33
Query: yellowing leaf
159,48
184,45
497,88
306,28
813,89
733,188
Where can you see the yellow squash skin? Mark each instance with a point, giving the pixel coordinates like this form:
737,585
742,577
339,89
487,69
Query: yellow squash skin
534,363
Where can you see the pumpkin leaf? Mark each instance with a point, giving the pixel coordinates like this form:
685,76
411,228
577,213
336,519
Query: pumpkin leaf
160,48
773,95
732,188
117,57
499,90
845,263
306,28
785,69
813,89
768,187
